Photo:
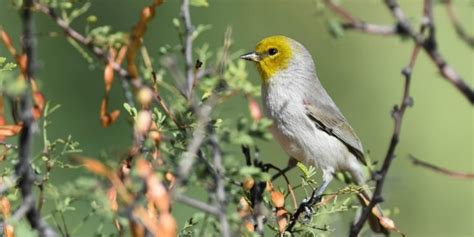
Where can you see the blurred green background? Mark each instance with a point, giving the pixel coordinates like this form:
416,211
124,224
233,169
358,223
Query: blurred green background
361,73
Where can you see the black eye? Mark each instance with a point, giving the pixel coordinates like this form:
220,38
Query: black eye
272,51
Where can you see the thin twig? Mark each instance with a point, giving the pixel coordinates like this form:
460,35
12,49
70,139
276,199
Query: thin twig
188,46
355,23
404,28
430,47
196,204
397,115
220,186
97,51
441,170
23,169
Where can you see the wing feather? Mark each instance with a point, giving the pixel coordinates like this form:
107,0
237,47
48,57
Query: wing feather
333,122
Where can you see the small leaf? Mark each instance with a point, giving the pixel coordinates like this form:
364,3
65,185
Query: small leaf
335,28
199,3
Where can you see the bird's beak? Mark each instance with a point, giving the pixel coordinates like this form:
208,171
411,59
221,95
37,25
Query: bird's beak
252,56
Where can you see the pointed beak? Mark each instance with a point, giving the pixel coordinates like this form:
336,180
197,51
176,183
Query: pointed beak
252,56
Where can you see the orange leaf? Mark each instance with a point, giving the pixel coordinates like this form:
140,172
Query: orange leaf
248,183
106,119
167,226
278,199
136,37
244,207
8,229
282,220
108,77
95,167
112,196
9,130
7,42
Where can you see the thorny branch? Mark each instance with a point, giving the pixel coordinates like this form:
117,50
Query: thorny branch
23,169
441,170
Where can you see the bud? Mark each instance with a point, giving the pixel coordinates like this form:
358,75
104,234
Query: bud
143,122
145,96
248,183
254,109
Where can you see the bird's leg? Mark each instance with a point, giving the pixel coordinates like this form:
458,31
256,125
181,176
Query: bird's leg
316,197
291,164
317,194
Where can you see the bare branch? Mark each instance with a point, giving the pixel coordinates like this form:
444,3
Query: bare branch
196,204
430,47
220,188
403,28
397,114
355,23
441,170
24,172
188,46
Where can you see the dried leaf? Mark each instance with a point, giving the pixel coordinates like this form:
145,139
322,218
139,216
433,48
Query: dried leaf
278,199
136,37
9,130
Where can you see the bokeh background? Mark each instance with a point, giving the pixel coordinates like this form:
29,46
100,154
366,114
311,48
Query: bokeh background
361,73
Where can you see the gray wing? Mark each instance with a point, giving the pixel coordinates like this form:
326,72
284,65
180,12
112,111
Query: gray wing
330,119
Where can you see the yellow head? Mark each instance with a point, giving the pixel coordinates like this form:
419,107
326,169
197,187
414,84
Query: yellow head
271,55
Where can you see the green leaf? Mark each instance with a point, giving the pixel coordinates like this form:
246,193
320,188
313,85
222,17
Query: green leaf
16,88
92,19
335,28
199,3
303,169
249,171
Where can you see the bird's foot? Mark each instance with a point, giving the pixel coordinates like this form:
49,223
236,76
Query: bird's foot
308,211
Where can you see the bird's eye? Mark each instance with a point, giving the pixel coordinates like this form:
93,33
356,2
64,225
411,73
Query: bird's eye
272,51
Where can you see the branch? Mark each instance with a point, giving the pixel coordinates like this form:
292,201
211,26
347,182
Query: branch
23,168
430,47
355,23
441,170
97,51
463,35
404,28
127,79
397,114
196,204
306,203
188,46
220,188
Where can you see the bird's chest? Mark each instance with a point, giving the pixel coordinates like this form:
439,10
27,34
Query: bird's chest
290,123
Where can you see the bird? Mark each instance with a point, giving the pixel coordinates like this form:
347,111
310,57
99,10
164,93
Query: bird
306,122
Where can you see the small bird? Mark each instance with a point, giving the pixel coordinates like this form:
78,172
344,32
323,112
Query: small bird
306,122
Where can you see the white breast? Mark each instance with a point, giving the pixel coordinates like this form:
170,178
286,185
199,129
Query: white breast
294,131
